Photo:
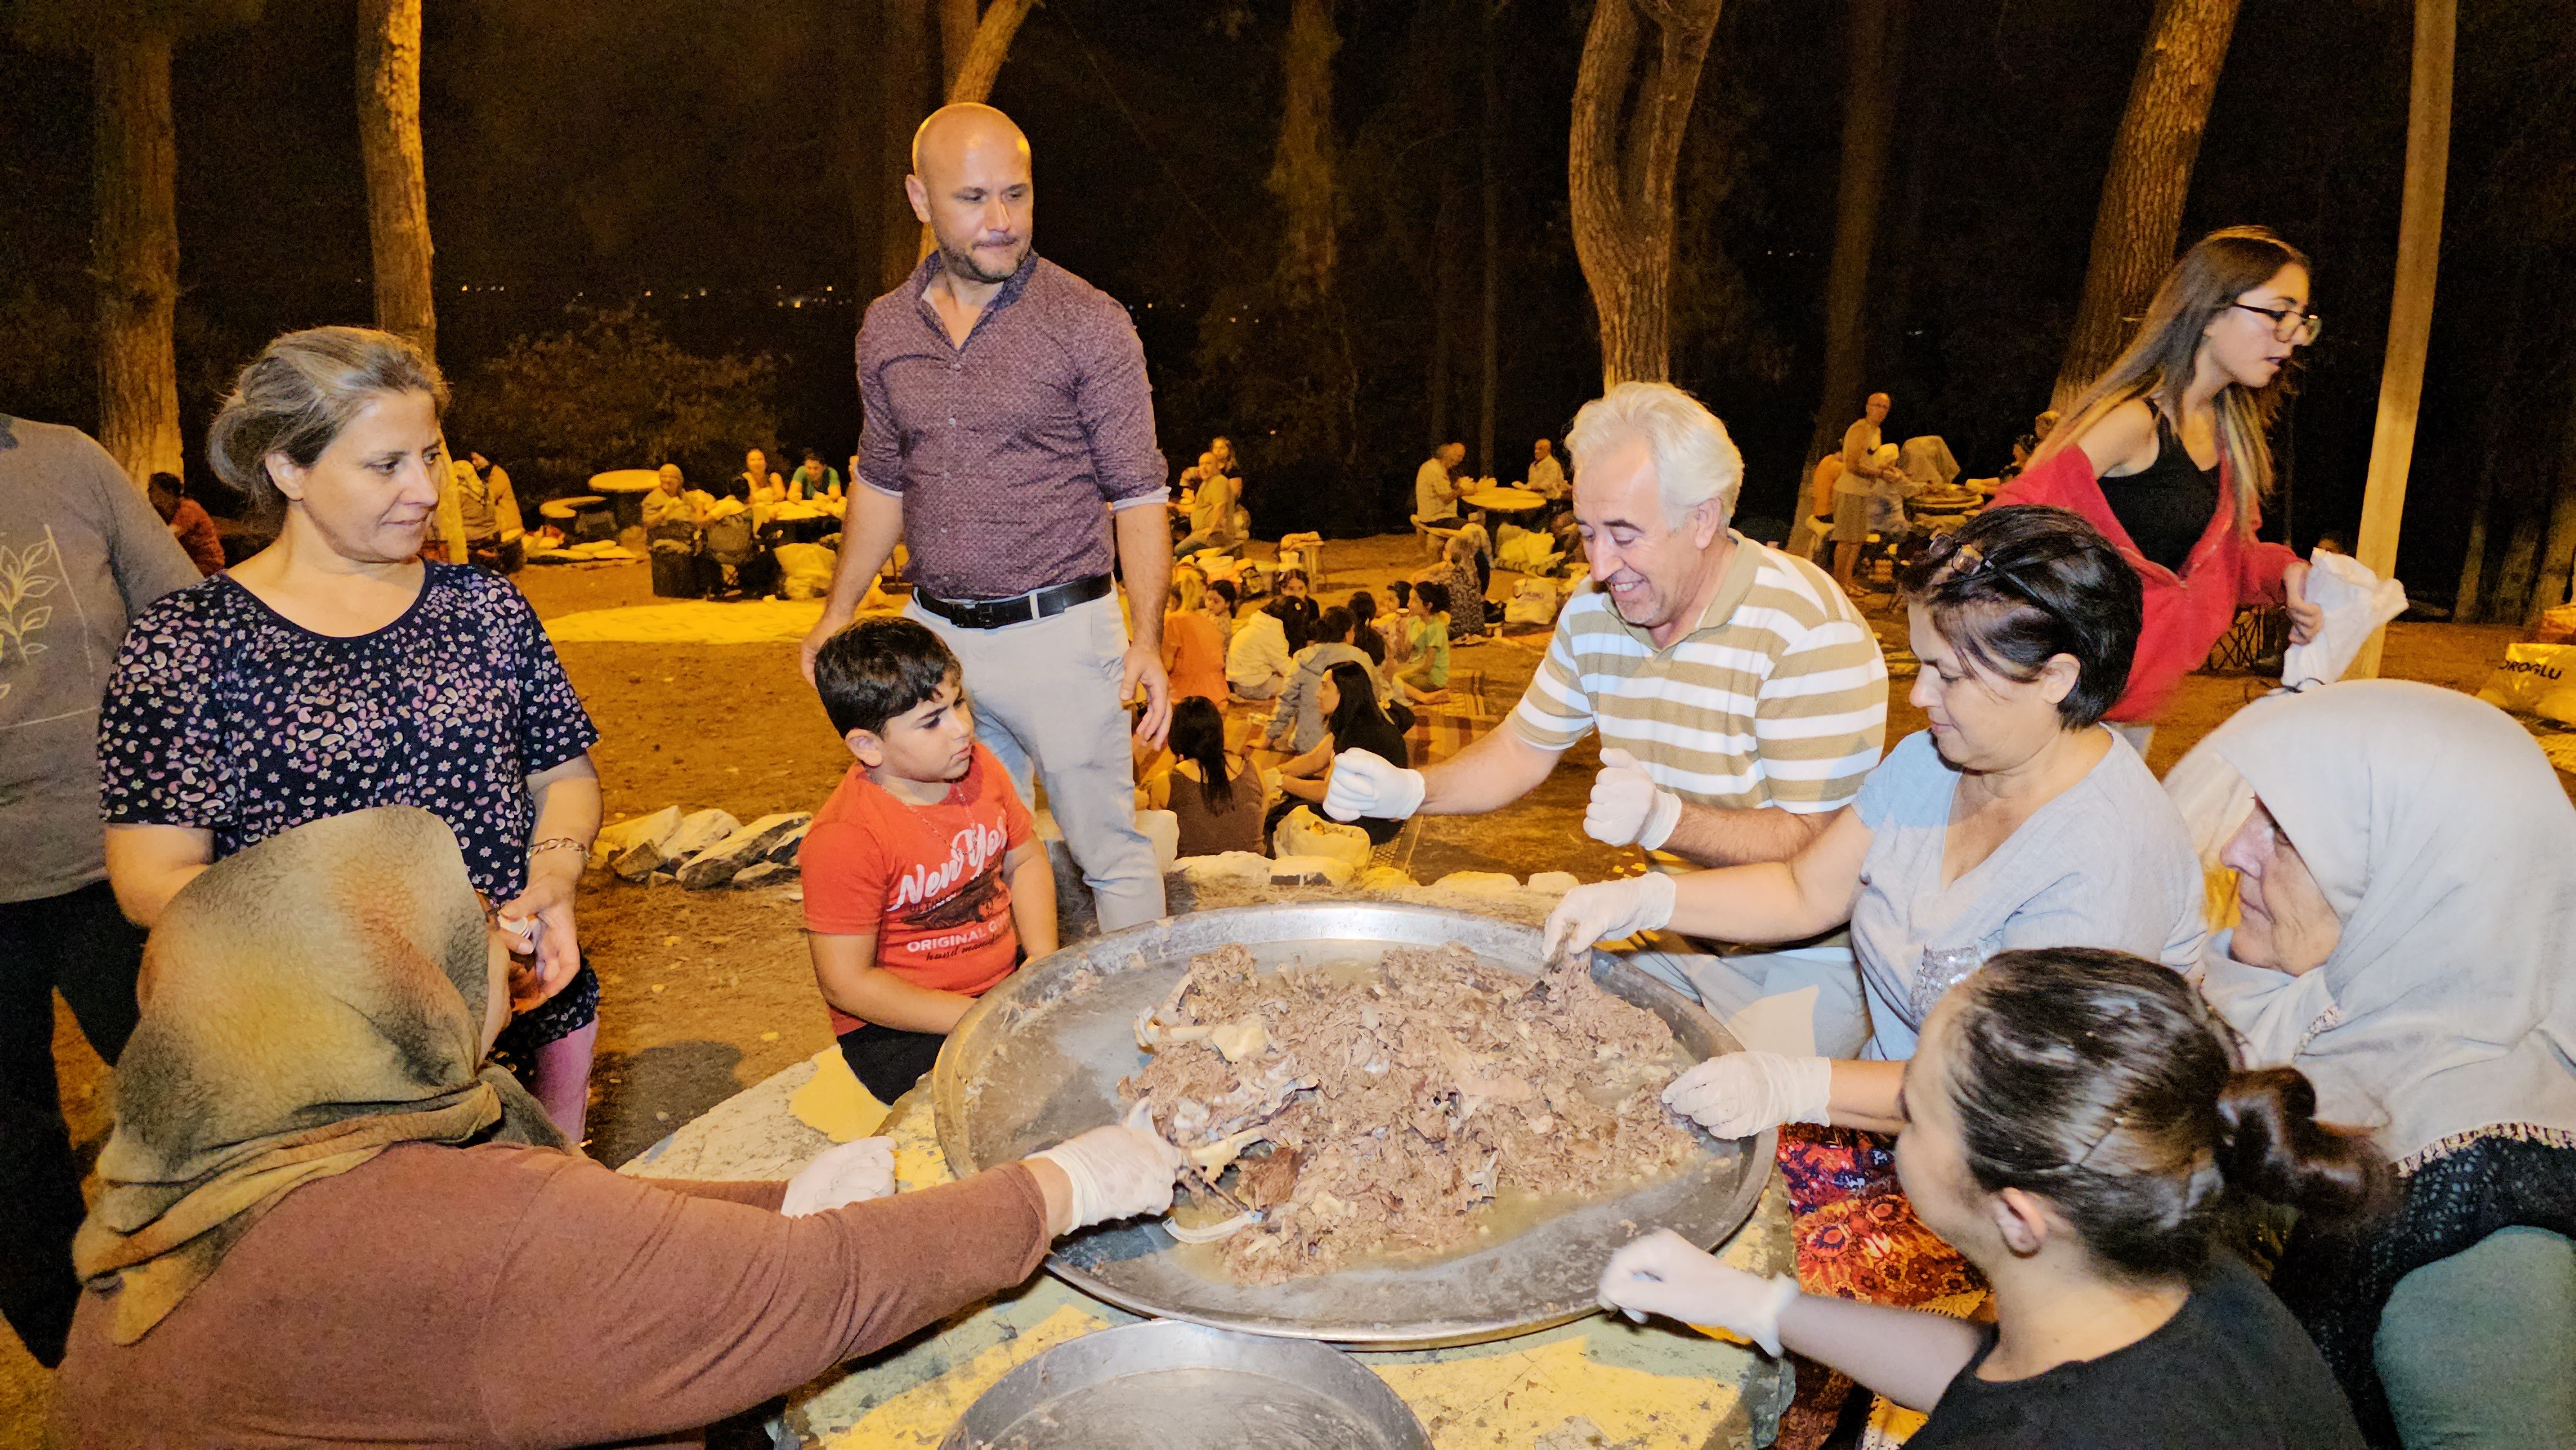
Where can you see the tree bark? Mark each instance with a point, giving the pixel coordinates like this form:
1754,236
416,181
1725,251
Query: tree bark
1620,163
956,38
1301,173
397,186
1489,145
2468,601
2558,550
2410,310
1444,300
135,163
992,44
1869,114
904,66
2150,176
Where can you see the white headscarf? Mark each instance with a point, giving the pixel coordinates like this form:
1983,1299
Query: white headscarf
2442,839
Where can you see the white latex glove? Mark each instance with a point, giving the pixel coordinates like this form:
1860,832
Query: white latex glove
1663,1273
1627,806
1742,1093
842,1174
1604,909
1118,1171
1365,785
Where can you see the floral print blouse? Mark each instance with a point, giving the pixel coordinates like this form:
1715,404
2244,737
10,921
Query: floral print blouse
224,716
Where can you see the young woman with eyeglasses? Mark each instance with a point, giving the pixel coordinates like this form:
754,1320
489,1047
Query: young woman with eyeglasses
2166,455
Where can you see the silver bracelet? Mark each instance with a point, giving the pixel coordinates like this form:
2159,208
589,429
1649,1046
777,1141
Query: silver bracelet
558,843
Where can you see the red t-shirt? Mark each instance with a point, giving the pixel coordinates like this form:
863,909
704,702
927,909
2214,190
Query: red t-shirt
926,881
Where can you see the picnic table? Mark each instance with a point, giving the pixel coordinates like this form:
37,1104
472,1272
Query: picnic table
1598,1380
1504,500
625,489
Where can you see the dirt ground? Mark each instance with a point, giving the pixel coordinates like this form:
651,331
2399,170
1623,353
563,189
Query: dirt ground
706,993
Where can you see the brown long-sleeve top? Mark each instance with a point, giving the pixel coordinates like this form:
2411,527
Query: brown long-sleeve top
507,1296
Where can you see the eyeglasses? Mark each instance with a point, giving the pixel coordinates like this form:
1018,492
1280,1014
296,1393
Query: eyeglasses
2288,324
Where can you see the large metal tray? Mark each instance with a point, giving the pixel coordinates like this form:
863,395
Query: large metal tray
1037,1061
1173,1386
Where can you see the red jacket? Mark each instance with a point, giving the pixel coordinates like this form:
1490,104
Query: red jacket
2185,614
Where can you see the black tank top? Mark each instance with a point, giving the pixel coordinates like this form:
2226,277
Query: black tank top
2165,506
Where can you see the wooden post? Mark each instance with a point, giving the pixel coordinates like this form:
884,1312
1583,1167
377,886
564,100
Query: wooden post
2410,313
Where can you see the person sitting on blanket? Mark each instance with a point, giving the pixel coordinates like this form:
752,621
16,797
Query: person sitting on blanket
2016,820
2406,881
2074,1123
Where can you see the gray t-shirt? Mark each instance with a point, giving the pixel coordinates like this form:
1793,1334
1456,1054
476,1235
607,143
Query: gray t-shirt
81,553
2106,864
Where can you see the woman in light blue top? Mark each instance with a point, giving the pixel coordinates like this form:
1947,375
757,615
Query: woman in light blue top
2015,821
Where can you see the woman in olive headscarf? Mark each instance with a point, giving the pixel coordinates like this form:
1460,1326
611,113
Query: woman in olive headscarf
322,1224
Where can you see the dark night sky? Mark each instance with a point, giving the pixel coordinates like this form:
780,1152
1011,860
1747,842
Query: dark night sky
594,152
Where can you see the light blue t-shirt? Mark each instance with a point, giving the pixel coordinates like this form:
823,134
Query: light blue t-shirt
2106,864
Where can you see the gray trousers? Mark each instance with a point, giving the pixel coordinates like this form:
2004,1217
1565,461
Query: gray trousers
1833,1023
1045,696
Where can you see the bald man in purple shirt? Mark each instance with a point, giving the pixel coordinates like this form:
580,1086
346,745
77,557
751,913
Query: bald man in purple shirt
1010,441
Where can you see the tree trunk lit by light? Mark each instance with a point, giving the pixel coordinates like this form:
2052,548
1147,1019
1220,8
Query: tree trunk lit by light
2410,311
2135,230
1301,173
1869,114
397,190
972,78
908,92
1625,148
134,164
1489,143
956,37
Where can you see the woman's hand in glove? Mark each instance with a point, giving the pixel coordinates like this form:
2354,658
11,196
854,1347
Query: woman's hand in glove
842,1174
1742,1093
1663,1273
1607,909
1118,1171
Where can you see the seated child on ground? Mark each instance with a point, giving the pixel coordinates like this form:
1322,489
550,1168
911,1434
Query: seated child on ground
925,882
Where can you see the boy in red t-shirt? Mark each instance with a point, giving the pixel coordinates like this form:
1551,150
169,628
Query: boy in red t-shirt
925,881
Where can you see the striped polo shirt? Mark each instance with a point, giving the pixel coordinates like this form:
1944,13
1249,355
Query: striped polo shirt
1778,698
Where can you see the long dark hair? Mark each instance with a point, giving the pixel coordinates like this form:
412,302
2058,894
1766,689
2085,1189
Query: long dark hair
2219,268
1363,608
1358,706
1198,734
2018,586
2104,1084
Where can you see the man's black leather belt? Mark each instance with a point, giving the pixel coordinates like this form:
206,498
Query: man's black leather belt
1019,608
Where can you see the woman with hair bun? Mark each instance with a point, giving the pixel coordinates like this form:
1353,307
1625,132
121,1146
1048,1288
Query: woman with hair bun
2074,1124
2165,454
2406,890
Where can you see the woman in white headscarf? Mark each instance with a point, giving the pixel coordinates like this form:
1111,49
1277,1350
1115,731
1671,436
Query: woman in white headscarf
2406,878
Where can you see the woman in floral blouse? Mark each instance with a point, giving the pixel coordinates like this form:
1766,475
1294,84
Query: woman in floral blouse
336,670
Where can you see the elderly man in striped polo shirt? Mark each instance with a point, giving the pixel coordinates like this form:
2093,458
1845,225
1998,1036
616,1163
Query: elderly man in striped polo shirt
1739,696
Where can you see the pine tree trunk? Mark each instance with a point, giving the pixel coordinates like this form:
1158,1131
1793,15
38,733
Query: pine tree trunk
135,162
397,188
1489,145
1869,114
2558,548
903,65
2150,177
956,38
2468,601
975,75
1301,173
1621,175
2410,308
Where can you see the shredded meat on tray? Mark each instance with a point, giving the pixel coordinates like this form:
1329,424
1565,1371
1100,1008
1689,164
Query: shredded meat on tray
1371,1115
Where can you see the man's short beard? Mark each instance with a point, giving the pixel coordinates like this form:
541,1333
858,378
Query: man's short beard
960,262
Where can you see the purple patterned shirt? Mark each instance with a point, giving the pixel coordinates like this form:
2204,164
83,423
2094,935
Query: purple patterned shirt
1004,450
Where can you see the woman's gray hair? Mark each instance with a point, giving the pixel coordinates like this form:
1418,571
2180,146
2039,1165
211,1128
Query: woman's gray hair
302,389
1695,462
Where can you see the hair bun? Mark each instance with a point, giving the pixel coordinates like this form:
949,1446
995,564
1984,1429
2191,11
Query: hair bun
2272,1146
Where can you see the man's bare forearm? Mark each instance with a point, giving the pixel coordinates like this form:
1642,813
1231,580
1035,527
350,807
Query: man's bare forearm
1712,836
870,528
1145,559
1486,776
